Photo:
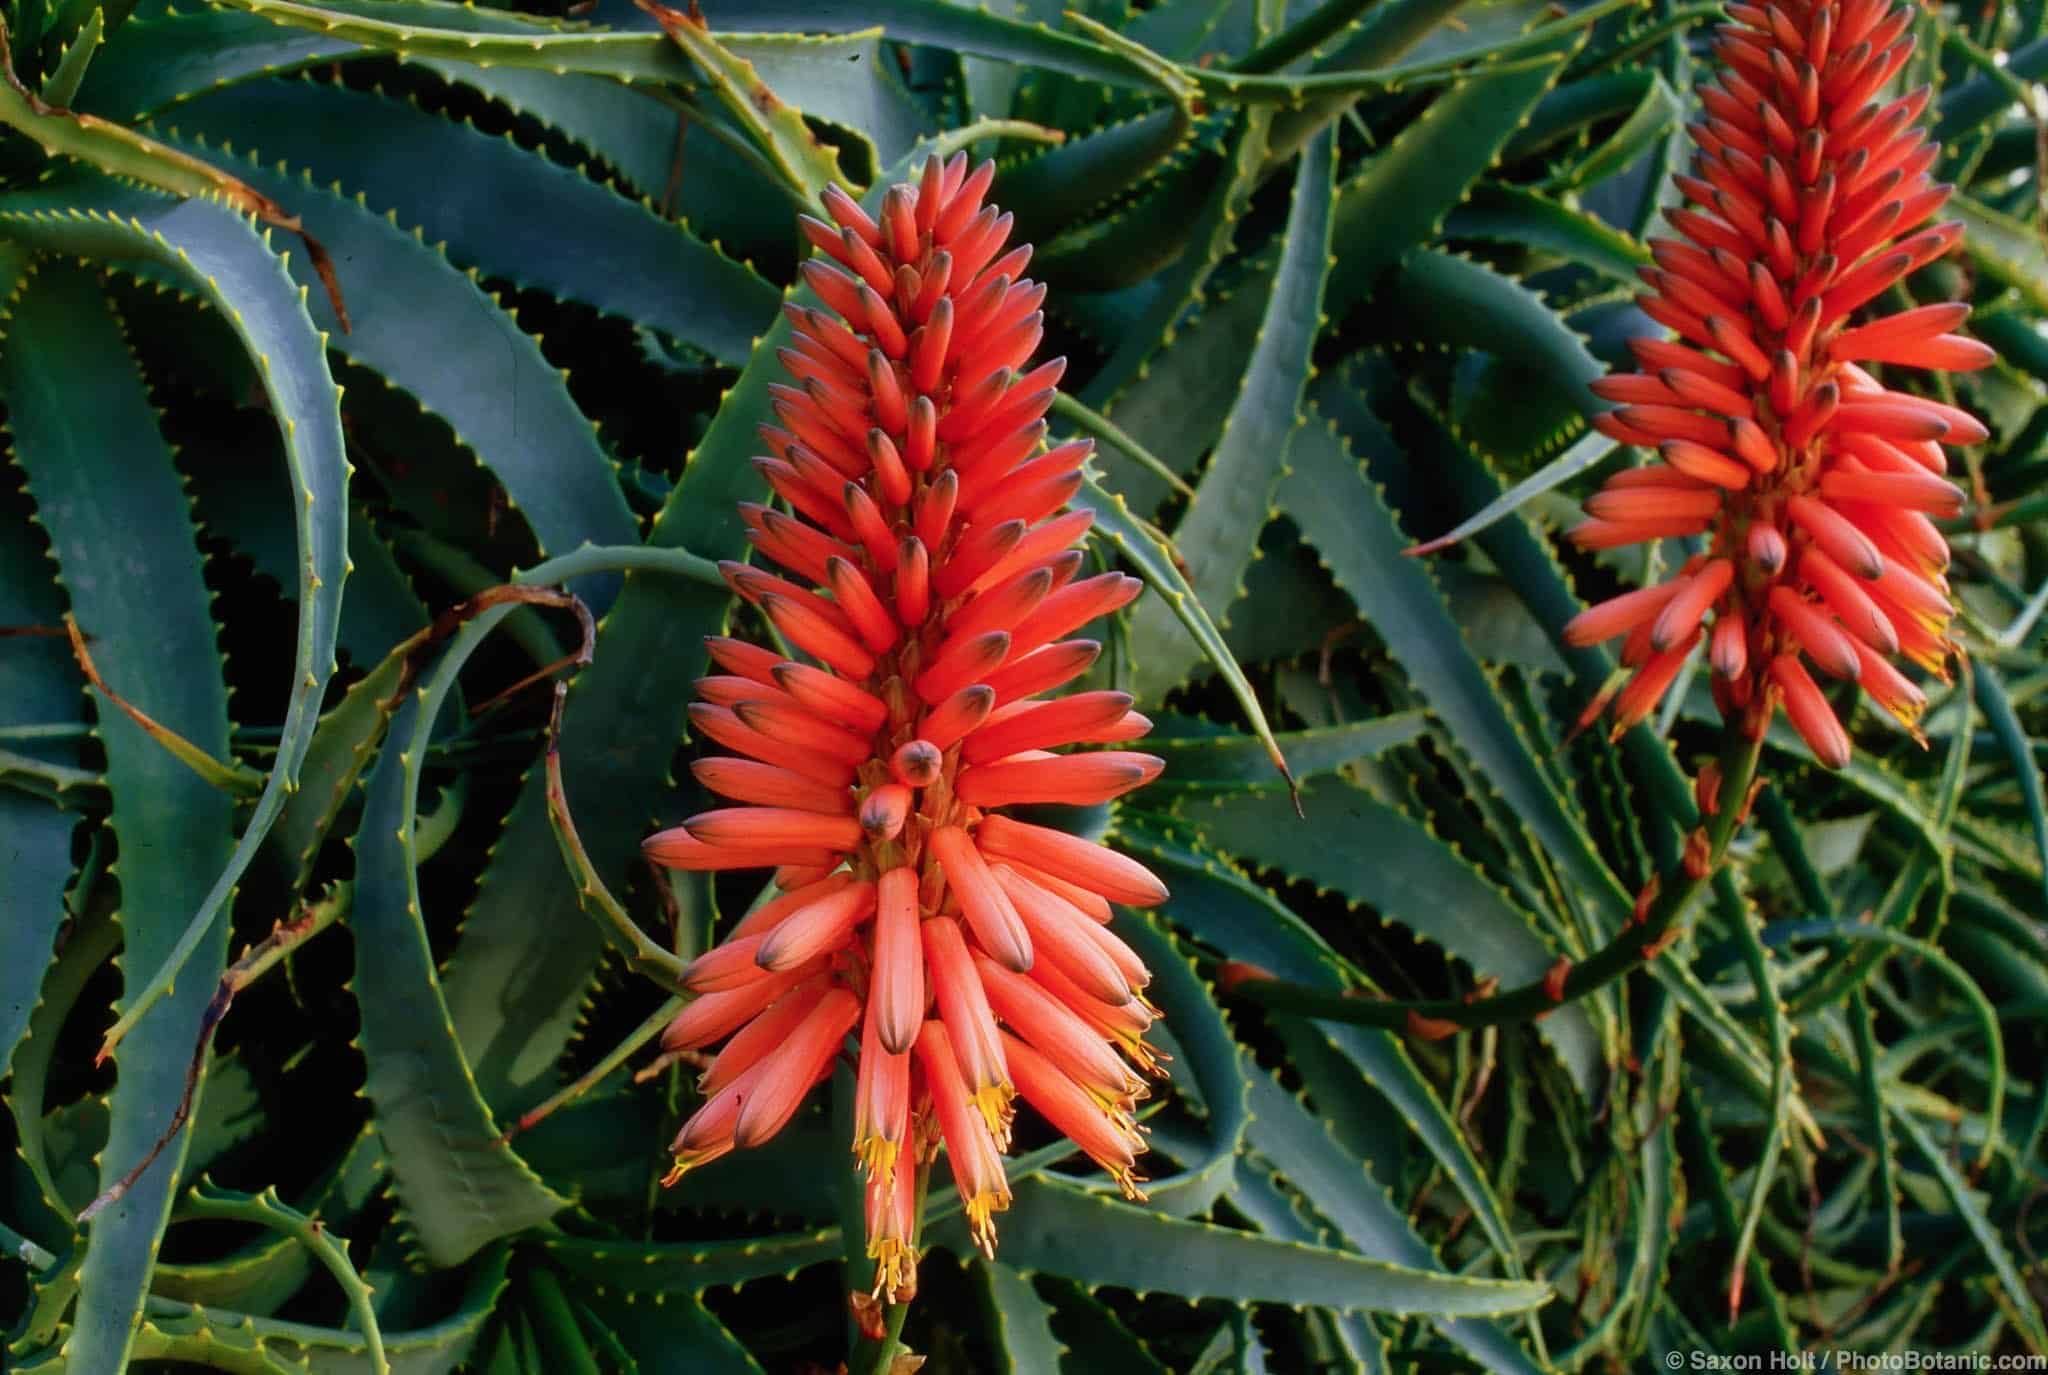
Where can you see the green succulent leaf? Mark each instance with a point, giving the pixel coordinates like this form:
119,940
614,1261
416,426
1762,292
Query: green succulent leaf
1218,535
498,219
1145,1251
101,476
154,61
1349,525
223,256
540,447
462,1186
1403,194
1375,855
1224,761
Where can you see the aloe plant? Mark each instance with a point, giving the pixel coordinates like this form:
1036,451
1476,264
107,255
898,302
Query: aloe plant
380,380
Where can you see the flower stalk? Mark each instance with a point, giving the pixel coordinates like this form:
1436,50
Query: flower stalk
1658,920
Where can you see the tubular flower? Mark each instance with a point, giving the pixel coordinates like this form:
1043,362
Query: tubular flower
931,579
1815,486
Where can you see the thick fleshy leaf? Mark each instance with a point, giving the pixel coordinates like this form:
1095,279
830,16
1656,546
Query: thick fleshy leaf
1149,1251
1219,532
102,480
462,1186
501,215
224,258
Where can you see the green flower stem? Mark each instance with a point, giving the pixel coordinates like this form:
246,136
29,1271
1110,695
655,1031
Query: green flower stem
613,1058
1758,961
265,1209
24,1250
873,1357
1636,944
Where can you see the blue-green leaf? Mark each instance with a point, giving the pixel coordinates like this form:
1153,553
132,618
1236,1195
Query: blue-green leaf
1337,1187
1402,196
153,61
1374,854
1343,516
116,514
430,329
461,1185
223,256
504,214
1235,915
1228,762
1219,532
1148,1252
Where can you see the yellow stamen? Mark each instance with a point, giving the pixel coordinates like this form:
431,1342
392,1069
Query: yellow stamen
877,1156
981,1223
895,1270
993,1102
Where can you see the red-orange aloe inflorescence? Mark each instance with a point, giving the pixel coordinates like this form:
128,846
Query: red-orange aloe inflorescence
1814,483
966,949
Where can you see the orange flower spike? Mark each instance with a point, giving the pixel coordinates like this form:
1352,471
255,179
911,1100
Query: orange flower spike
1082,862
891,1208
1085,900
1099,776
884,811
1110,1138
990,914
925,573
816,929
1124,1025
708,1134
789,723
770,915
1809,712
881,1102
835,699
896,994
803,1060
1043,725
1811,479
715,1016
959,714
1892,690
917,764
970,1024
774,828
676,848
721,725
1681,615
1042,670
970,1150
1618,615
748,780
760,1037
1047,1023
729,965
1648,687
1729,648
1059,933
